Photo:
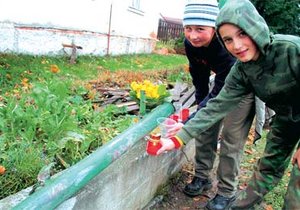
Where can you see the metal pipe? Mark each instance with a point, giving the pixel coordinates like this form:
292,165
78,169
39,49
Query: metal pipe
71,180
109,30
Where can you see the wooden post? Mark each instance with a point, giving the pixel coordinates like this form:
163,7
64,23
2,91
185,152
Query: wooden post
74,50
143,103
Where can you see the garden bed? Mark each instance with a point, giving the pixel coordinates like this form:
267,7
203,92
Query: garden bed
169,165
54,118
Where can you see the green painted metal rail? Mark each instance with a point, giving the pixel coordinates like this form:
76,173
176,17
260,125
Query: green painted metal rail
74,178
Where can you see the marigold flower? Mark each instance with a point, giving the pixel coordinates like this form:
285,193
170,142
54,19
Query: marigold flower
54,69
2,170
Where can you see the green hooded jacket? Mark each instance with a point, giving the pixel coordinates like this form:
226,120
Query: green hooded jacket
274,77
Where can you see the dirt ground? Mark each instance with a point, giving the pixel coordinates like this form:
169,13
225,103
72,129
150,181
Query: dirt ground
171,197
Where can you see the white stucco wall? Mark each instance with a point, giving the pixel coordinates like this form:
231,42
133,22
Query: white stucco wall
41,27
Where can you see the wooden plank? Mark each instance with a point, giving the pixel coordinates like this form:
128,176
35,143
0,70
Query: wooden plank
118,92
111,100
177,91
111,89
132,108
129,103
189,102
187,95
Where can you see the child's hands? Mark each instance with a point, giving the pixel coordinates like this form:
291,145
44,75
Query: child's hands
296,158
166,145
172,131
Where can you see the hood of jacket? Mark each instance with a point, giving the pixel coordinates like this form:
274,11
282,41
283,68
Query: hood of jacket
243,14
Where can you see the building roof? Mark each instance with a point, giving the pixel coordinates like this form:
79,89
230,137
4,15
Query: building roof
171,19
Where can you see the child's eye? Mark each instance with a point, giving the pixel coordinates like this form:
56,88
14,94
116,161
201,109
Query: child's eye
187,28
201,29
227,41
243,34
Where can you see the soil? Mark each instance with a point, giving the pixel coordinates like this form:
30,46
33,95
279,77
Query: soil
171,196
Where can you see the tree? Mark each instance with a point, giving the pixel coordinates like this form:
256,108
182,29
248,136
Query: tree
282,16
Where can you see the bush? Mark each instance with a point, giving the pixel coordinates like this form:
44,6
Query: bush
179,45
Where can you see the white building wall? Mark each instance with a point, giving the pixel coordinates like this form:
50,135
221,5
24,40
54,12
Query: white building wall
41,27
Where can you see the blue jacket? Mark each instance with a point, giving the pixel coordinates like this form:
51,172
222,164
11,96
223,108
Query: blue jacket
203,60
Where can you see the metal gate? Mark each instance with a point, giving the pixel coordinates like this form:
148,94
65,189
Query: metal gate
168,29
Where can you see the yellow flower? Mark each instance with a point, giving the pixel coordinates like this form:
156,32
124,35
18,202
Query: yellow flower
147,82
138,94
133,85
153,92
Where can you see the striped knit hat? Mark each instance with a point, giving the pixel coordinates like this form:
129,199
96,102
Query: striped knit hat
200,12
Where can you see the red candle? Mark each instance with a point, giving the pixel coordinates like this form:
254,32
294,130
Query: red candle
174,117
184,114
153,144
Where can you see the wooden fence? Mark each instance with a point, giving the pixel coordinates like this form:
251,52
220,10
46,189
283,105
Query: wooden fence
168,30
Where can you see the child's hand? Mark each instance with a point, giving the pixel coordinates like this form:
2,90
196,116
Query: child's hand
296,158
172,131
166,145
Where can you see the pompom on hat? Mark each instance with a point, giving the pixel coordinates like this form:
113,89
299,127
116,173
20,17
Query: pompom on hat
200,12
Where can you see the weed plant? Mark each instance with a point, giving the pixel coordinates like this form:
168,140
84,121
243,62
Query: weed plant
47,114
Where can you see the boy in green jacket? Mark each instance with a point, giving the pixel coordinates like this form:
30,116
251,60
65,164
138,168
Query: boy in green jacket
269,66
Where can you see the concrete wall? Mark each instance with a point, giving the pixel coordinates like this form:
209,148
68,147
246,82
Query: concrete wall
130,182
100,27
49,41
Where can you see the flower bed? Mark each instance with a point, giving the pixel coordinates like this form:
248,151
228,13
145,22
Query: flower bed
154,94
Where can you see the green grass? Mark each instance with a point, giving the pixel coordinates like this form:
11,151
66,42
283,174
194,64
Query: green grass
142,62
47,118
274,198
87,67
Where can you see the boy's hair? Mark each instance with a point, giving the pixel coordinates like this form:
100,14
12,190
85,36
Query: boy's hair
200,12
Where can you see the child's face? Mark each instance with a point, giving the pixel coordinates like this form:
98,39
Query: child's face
199,36
238,43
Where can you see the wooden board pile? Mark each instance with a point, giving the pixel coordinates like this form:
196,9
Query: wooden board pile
182,97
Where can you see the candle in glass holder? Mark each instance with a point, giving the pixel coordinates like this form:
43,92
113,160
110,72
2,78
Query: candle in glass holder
153,144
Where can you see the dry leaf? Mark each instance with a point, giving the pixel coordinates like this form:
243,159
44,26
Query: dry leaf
249,151
252,160
2,170
243,186
269,207
196,198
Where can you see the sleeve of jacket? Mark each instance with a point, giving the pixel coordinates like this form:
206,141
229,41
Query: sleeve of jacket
294,61
217,108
